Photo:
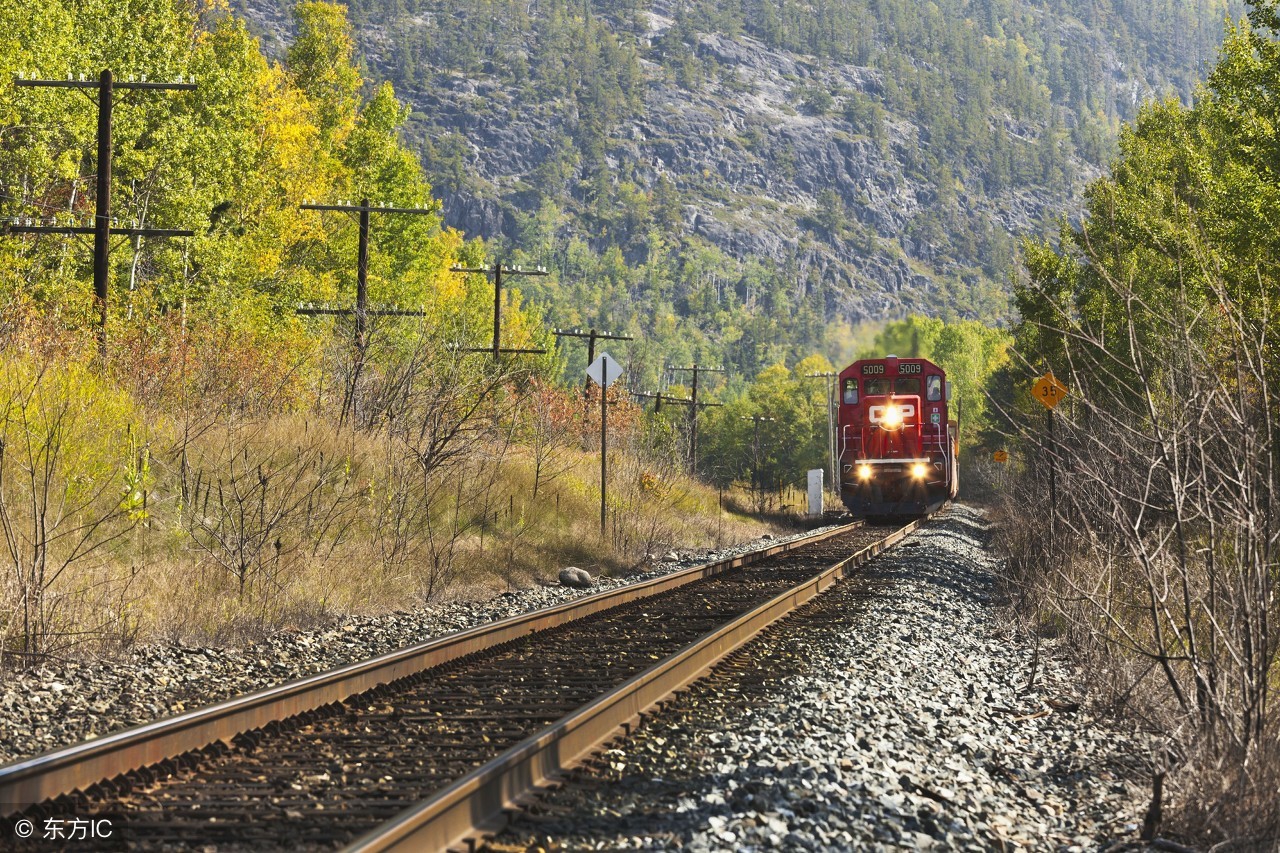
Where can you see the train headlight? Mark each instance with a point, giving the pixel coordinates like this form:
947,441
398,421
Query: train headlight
918,470
864,472
892,417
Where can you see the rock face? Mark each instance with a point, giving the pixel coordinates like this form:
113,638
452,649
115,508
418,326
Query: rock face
749,166
748,158
818,190
576,578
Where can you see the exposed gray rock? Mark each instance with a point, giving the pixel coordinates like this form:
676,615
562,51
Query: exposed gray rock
749,159
575,577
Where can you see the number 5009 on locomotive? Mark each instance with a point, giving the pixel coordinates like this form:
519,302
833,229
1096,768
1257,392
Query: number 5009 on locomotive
896,439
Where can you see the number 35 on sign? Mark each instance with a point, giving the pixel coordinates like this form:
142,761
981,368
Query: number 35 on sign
1049,391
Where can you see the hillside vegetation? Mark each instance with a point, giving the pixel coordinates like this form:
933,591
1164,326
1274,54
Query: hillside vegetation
738,181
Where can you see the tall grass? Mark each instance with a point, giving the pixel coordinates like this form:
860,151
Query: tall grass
188,491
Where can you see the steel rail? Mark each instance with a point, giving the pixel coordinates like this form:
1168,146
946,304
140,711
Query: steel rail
476,804
26,782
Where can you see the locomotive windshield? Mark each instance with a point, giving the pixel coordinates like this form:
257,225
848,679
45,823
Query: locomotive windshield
901,385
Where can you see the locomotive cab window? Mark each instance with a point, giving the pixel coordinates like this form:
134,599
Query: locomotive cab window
907,385
933,387
851,392
877,387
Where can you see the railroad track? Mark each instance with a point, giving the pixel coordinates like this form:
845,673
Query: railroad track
426,747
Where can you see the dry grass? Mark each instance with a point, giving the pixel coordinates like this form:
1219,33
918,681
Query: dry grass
515,542
235,524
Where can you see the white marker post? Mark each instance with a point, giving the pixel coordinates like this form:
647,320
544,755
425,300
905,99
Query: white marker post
604,371
815,492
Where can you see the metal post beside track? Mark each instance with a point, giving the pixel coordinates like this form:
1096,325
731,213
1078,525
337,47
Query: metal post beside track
1053,479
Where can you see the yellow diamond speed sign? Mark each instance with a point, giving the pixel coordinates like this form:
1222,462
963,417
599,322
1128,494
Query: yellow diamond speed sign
1049,391
1000,456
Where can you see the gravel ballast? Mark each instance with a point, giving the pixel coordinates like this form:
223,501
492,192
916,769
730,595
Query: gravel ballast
70,701
896,712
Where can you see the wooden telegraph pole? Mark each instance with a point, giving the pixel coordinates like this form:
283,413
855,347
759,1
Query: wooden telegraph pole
832,379
498,271
604,371
695,369
592,336
659,398
361,310
103,223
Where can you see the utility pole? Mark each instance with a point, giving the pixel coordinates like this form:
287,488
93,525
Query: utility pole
103,225
832,380
696,369
592,336
361,311
498,271
348,396
659,398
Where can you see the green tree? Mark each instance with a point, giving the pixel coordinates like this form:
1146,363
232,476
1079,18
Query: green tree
321,61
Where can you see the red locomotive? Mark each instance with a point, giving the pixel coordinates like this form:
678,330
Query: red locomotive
896,440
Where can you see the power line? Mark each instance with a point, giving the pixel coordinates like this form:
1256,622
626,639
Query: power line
103,226
498,271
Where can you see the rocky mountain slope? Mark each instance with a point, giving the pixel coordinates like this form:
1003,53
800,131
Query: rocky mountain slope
847,160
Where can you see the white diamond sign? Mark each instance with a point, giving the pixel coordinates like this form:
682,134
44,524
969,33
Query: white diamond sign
604,370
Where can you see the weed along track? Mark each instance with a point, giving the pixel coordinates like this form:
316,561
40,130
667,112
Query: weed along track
387,762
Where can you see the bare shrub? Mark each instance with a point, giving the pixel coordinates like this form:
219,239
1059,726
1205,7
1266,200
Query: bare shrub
70,486
445,420
548,418
259,505
1159,557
